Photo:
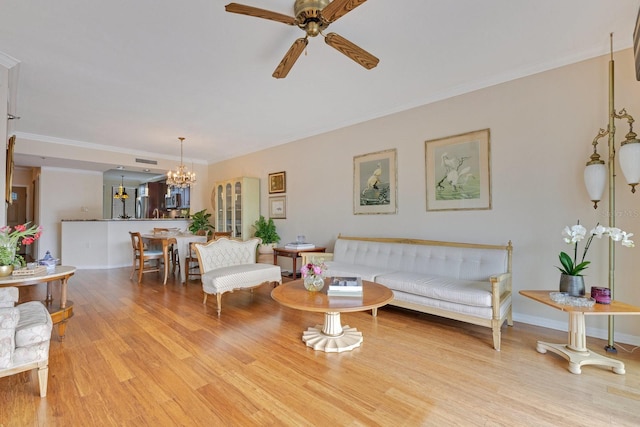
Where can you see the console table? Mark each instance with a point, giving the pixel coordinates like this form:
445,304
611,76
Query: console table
576,351
59,312
294,254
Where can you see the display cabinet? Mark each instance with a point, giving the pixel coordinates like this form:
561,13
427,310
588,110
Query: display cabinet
237,206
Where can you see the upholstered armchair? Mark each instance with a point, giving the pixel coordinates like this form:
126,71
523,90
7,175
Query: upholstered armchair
25,333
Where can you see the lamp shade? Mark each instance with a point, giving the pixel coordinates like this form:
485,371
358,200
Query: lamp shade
595,179
629,157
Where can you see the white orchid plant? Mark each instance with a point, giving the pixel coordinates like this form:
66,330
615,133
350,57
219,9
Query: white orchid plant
574,234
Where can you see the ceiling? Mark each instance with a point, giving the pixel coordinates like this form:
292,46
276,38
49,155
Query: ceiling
136,75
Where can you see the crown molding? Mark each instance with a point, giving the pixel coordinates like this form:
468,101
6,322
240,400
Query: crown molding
88,145
8,61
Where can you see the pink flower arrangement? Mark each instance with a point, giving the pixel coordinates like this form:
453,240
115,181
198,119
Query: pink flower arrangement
313,269
11,238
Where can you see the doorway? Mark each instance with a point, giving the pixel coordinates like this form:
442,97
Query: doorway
17,214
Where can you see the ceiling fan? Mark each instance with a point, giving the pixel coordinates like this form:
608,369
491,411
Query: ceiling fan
312,16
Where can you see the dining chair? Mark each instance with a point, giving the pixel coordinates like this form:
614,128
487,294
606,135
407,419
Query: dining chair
142,257
192,268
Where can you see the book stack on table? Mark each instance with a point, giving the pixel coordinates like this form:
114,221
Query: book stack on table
299,246
345,287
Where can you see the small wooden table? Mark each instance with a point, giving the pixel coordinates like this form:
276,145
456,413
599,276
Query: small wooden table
575,351
331,337
294,254
59,312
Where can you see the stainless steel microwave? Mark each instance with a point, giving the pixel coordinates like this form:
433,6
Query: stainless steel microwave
171,202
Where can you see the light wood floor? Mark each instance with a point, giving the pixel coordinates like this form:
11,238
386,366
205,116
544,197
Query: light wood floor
154,355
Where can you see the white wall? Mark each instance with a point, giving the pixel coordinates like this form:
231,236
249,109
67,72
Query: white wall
63,193
541,126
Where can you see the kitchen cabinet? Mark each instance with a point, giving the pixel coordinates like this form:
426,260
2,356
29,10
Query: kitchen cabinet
237,206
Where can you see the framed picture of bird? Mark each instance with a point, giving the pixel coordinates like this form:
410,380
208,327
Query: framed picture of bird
375,180
458,172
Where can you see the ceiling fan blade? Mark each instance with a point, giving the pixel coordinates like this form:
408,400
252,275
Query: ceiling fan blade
260,13
339,8
349,49
290,58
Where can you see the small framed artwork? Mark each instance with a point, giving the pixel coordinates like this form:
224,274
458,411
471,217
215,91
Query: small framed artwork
375,183
277,182
278,207
458,174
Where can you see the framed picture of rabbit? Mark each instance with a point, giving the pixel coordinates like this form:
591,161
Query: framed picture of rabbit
375,183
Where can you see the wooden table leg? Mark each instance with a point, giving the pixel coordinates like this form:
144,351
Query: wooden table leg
165,254
295,271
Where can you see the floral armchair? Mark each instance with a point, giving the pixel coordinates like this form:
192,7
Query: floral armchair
25,333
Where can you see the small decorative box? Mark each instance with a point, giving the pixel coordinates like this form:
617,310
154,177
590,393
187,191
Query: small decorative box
601,295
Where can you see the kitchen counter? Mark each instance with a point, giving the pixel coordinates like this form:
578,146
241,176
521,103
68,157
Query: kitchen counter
130,219
105,243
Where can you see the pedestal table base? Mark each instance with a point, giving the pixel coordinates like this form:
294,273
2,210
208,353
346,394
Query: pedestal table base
332,337
579,358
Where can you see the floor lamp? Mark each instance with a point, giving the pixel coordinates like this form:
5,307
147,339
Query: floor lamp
596,172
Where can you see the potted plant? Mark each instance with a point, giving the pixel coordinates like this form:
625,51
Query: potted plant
266,231
10,240
200,223
571,278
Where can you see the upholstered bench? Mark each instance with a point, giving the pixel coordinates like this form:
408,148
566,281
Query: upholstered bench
227,265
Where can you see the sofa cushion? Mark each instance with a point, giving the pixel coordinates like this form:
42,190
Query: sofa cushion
8,296
35,324
468,292
337,268
225,279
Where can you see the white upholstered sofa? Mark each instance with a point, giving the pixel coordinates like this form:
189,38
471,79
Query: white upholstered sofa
227,265
461,281
25,334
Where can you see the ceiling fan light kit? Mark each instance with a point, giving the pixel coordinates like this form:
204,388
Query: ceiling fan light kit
313,17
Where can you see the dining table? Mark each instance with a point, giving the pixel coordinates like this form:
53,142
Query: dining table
181,241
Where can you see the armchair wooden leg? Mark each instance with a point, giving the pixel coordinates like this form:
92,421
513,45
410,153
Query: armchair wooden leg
219,300
205,298
43,377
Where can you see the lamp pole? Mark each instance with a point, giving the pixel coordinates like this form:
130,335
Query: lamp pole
595,175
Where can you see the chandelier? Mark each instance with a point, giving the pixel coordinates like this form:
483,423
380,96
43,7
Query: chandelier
121,193
181,178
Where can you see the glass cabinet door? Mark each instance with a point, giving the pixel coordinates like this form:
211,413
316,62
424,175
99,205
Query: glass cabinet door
238,209
228,217
219,208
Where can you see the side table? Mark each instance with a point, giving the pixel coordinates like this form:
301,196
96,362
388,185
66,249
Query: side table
576,351
294,254
60,312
